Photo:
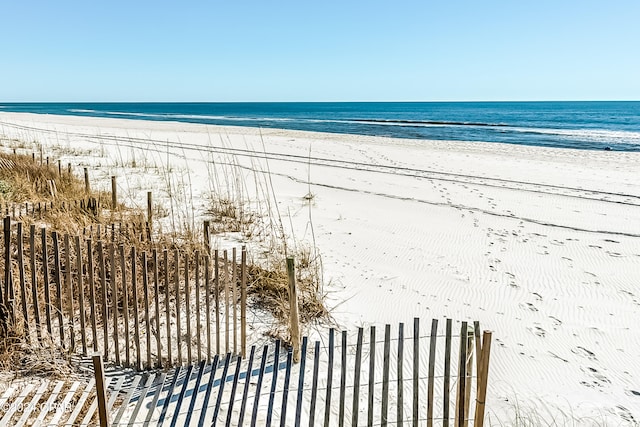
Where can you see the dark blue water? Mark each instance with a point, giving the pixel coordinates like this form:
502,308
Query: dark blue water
584,125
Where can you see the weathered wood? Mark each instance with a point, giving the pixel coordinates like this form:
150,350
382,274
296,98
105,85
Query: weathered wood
356,380
274,383
136,316
400,380
167,304
372,373
256,400
125,303
114,301
103,295
69,290
234,387
227,306
416,371
216,282
156,297
432,368
462,376
207,239
285,392
87,187
343,378
447,375
98,367
385,376
149,209
194,395
197,296
303,359
114,193
176,283
243,302
79,268
314,384
34,280
207,304
145,293
247,382
58,282
468,377
22,282
8,267
183,391
327,398
45,279
187,306
92,295
483,374
294,318
234,301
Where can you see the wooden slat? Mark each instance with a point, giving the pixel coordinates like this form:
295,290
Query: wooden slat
58,282
462,374
247,382
92,295
22,282
154,402
256,400
103,296
207,297
356,380
303,359
183,391
216,282
483,374
314,384
69,290
399,376
136,316
274,383
416,371
33,404
34,281
114,301
176,284
196,285
385,376
223,381
156,300
64,405
45,408
71,421
145,293
234,388
207,395
343,379
125,304
432,367
45,279
94,405
447,375
187,306
243,301
372,372
194,395
225,281
234,301
327,399
285,392
167,305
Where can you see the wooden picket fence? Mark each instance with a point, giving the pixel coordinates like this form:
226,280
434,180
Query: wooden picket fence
162,307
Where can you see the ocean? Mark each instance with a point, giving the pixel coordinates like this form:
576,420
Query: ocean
583,125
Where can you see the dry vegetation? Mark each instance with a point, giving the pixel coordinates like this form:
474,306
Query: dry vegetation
29,186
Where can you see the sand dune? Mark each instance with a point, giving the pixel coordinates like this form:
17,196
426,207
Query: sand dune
540,245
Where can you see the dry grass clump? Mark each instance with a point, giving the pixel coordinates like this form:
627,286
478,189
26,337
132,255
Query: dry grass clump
268,289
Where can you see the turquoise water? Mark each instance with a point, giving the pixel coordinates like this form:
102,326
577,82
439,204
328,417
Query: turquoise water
584,125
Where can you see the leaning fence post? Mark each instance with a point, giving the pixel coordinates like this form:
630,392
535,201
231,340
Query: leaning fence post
101,391
483,374
294,322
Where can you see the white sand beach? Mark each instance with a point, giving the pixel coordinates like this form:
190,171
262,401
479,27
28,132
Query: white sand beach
540,245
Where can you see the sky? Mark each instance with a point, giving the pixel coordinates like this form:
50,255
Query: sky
228,51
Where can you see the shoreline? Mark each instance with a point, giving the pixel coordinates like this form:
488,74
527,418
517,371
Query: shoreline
435,229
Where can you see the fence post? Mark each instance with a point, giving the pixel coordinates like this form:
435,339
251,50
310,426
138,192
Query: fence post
8,279
114,193
101,391
87,188
294,321
149,210
483,374
206,236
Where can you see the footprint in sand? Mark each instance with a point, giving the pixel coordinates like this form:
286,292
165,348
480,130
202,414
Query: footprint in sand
581,351
597,378
537,330
528,306
556,322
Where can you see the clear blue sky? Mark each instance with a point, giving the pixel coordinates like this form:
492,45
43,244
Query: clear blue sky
138,50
